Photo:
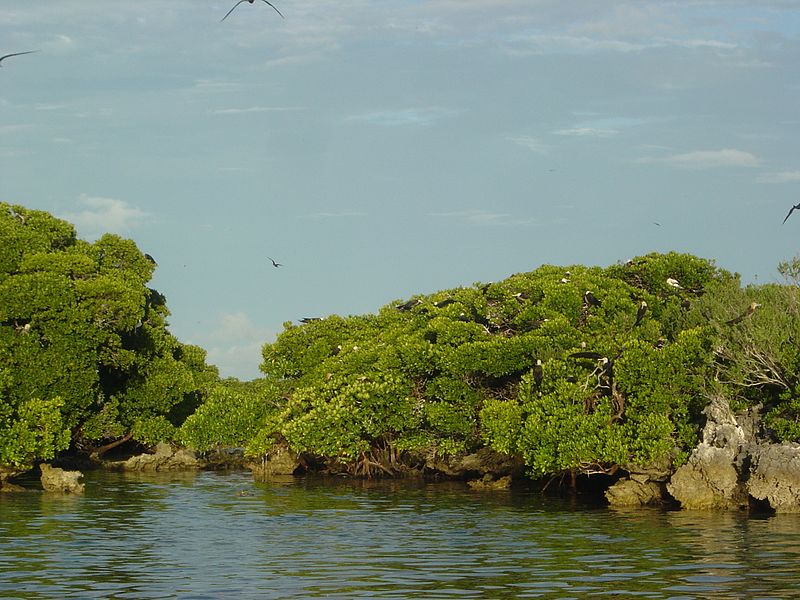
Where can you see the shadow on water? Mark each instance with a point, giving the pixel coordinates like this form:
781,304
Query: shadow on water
214,535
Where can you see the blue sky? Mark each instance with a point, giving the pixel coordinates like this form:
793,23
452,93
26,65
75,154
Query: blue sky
383,149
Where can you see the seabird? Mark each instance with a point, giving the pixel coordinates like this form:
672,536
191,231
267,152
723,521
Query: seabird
151,259
590,299
408,305
309,319
538,373
750,310
445,302
2,58
250,1
794,208
673,283
275,264
640,312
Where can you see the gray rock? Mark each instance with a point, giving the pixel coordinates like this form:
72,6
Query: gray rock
280,462
710,479
636,491
163,458
487,483
774,475
59,480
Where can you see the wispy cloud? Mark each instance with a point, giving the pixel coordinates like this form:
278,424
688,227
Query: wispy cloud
405,116
780,177
707,159
479,216
101,215
586,132
531,143
255,109
335,215
234,345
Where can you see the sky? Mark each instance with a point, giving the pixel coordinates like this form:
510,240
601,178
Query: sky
381,149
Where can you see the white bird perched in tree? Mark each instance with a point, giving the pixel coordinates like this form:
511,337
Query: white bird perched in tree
673,283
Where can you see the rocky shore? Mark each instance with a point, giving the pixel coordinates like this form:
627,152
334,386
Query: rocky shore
733,468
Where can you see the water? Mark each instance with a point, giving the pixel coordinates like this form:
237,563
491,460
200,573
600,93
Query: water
219,535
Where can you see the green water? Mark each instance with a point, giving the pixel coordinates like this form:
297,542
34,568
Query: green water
219,535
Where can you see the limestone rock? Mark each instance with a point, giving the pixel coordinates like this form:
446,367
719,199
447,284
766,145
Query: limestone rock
635,491
164,458
775,475
280,461
710,479
483,461
59,480
487,482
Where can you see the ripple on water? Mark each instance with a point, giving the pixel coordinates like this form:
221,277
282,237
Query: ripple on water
218,535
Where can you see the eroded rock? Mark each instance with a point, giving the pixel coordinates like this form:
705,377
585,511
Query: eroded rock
774,475
635,491
281,461
163,458
487,482
55,479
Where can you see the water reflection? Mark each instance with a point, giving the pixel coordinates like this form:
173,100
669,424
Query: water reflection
215,535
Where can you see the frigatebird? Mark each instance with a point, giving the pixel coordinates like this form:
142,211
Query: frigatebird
307,320
408,305
640,312
275,264
2,58
590,300
151,259
750,310
794,208
250,1
538,373
445,302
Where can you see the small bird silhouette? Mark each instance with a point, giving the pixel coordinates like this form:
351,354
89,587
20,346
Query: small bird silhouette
275,264
2,58
791,210
250,1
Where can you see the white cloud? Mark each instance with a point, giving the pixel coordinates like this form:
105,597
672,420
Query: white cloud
237,327
587,132
102,215
479,216
234,345
780,177
335,215
406,116
255,109
708,159
531,143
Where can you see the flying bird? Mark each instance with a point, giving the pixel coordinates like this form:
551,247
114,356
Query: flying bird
2,58
275,264
250,1
750,310
791,210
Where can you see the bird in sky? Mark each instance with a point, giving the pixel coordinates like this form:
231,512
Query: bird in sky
275,264
2,58
250,1
791,210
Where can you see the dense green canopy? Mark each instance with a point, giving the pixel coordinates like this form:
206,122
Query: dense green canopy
85,354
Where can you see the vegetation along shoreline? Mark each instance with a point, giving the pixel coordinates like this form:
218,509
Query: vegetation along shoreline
662,377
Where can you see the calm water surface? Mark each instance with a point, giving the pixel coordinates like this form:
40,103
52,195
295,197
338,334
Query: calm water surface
219,535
